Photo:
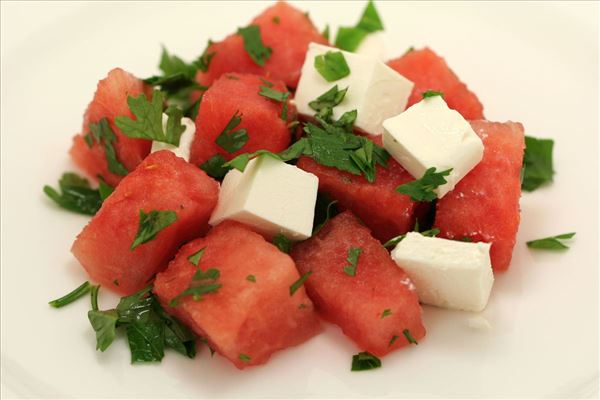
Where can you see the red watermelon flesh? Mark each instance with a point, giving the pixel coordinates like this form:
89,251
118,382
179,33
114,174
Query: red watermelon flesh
429,71
260,116
285,29
484,206
162,181
242,318
110,101
386,212
357,303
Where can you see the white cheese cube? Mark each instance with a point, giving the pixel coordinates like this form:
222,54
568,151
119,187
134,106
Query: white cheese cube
374,45
447,273
429,134
375,90
185,141
271,196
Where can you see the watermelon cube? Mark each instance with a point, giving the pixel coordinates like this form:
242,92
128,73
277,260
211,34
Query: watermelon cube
386,212
378,307
284,29
261,117
429,71
252,315
484,205
161,182
110,101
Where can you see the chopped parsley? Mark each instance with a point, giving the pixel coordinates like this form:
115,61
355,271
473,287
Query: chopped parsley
409,337
197,256
203,62
423,189
94,296
466,239
386,313
104,189
327,215
251,278
214,167
394,241
151,224
77,293
232,141
349,38
324,104
203,282
392,340
75,194
102,133
296,285
325,32
551,243
149,120
364,361
282,243
281,97
353,254
253,44
432,93
276,20
537,163
294,151
245,358
332,66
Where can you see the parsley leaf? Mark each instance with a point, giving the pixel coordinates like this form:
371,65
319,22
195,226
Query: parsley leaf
75,194
332,66
102,133
386,313
409,337
349,38
151,224
178,77
283,243
232,141
392,340
268,92
394,241
104,189
423,189
203,62
105,326
551,243
149,120
197,256
325,102
253,44
294,151
432,93
325,32
77,293
251,278
245,358
537,163
296,285
203,282
353,254
323,216
364,361
214,167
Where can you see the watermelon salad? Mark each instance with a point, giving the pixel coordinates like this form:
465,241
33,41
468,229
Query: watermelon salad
286,179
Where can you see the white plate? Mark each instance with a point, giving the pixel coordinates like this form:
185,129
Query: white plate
533,62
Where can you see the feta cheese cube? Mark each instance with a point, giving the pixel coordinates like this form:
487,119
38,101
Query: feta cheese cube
429,134
185,141
271,196
374,45
447,273
375,90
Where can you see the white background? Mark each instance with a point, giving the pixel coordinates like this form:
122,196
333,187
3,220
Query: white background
531,62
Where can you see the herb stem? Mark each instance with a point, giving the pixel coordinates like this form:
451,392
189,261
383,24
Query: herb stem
72,296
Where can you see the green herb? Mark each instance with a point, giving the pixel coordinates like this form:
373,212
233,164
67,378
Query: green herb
283,243
212,351
432,93
301,306
77,293
104,189
409,337
268,92
392,340
195,258
276,20
324,104
245,358
253,44
105,326
151,224
102,133
75,194
214,167
423,189
192,110
94,297
353,254
266,82
332,66
431,232
537,163
232,141
394,241
551,243
325,32
409,50
349,38
296,285
327,216
294,151
364,361
203,62
203,282
251,278
149,120
466,239
386,313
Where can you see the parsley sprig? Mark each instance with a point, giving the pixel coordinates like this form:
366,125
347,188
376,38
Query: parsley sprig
364,361
230,140
332,66
253,44
537,163
102,134
203,282
349,38
76,194
552,242
77,293
151,224
423,189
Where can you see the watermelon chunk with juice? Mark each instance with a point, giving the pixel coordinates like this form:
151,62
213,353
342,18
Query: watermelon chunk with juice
161,182
378,308
484,205
110,101
252,315
429,71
